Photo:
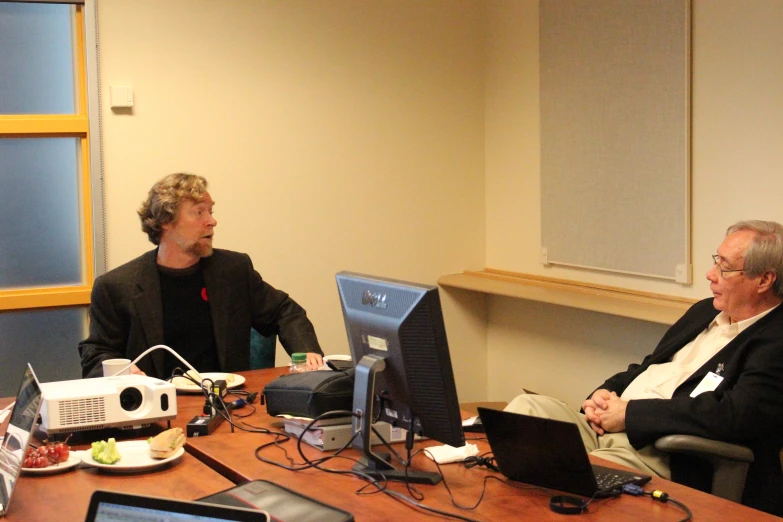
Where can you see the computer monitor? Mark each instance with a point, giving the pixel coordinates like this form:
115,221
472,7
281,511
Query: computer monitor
403,367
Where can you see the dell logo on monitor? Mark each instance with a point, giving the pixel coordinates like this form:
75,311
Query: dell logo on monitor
377,300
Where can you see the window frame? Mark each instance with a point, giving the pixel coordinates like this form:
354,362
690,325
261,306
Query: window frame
82,126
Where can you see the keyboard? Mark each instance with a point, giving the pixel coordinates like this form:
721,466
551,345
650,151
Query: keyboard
609,479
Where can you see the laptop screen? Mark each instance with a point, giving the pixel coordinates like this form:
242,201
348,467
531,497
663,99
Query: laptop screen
112,506
108,512
17,435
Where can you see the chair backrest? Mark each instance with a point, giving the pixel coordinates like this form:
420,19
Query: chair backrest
262,350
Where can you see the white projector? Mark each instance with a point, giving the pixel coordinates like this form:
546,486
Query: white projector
122,401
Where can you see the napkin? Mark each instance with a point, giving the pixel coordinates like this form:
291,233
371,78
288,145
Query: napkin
447,454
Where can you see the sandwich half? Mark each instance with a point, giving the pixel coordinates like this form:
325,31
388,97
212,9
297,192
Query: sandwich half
165,444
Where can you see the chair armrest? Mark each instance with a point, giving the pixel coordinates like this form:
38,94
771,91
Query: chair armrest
730,461
700,446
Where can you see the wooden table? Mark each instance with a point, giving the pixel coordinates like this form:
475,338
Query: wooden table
65,497
233,455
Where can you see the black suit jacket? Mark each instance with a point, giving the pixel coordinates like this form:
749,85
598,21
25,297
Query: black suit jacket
126,314
746,408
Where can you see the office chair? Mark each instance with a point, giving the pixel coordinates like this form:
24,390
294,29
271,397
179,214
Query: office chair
262,350
730,462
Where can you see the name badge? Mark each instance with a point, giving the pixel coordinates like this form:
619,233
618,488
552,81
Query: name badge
709,383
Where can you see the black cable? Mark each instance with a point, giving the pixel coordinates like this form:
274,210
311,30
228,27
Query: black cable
400,496
688,514
308,464
664,497
371,481
249,397
212,400
179,372
658,495
481,460
380,486
244,398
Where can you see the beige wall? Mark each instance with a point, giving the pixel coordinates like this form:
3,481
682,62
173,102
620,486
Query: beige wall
401,138
736,174
340,135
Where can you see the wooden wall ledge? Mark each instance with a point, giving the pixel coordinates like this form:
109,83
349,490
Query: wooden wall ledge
647,306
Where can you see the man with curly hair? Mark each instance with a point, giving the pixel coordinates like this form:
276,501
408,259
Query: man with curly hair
200,301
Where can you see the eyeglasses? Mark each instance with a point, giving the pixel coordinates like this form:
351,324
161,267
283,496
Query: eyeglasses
724,271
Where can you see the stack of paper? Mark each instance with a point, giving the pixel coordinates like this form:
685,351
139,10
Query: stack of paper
314,436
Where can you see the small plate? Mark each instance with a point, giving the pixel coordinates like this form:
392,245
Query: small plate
337,357
135,458
339,361
74,458
191,387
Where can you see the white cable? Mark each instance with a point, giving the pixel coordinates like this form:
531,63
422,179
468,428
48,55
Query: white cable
148,350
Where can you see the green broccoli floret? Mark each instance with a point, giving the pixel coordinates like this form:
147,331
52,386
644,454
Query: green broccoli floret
105,452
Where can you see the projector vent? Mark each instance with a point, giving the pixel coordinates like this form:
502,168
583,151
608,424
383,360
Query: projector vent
82,411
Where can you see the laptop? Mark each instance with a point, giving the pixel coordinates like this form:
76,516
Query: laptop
281,503
550,454
111,506
18,434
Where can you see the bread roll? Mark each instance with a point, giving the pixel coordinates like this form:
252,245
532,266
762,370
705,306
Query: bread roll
166,443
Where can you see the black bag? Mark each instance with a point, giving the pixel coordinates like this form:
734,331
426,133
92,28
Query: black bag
310,394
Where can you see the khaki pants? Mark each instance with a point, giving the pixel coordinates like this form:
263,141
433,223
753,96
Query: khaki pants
614,447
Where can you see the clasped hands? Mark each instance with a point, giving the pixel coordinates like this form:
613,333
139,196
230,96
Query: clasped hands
605,412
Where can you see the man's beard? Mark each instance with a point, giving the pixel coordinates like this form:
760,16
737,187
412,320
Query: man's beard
200,249
197,248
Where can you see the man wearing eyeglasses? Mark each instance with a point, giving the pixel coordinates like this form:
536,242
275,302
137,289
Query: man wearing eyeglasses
717,373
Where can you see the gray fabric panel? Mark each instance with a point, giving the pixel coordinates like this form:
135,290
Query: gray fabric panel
615,136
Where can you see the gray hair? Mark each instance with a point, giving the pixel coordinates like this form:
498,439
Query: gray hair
765,253
163,201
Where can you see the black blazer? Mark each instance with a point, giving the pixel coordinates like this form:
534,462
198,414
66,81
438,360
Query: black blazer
746,408
126,314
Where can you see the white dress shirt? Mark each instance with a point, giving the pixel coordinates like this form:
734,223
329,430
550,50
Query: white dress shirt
659,381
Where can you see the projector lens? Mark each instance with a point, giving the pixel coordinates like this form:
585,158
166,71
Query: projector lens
130,399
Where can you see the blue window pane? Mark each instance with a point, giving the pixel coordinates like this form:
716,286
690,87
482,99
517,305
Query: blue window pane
36,59
40,244
47,339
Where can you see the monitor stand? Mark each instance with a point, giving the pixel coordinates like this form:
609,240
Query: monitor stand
378,465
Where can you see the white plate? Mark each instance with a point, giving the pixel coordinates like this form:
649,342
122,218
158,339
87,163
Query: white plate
135,457
337,357
192,387
74,458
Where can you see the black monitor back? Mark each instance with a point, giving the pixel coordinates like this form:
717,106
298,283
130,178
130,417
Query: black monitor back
403,323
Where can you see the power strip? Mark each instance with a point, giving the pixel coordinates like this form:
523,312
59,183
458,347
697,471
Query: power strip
203,425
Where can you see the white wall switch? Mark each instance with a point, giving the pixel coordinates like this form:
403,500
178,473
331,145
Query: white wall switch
121,96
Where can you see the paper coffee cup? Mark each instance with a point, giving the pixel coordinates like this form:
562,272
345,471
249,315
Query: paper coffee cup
113,367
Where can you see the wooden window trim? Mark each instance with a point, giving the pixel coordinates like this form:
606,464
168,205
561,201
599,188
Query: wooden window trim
61,125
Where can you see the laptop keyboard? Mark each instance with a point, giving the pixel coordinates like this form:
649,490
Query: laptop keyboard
609,480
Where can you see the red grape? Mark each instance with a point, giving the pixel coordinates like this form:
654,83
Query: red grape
63,451
46,455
